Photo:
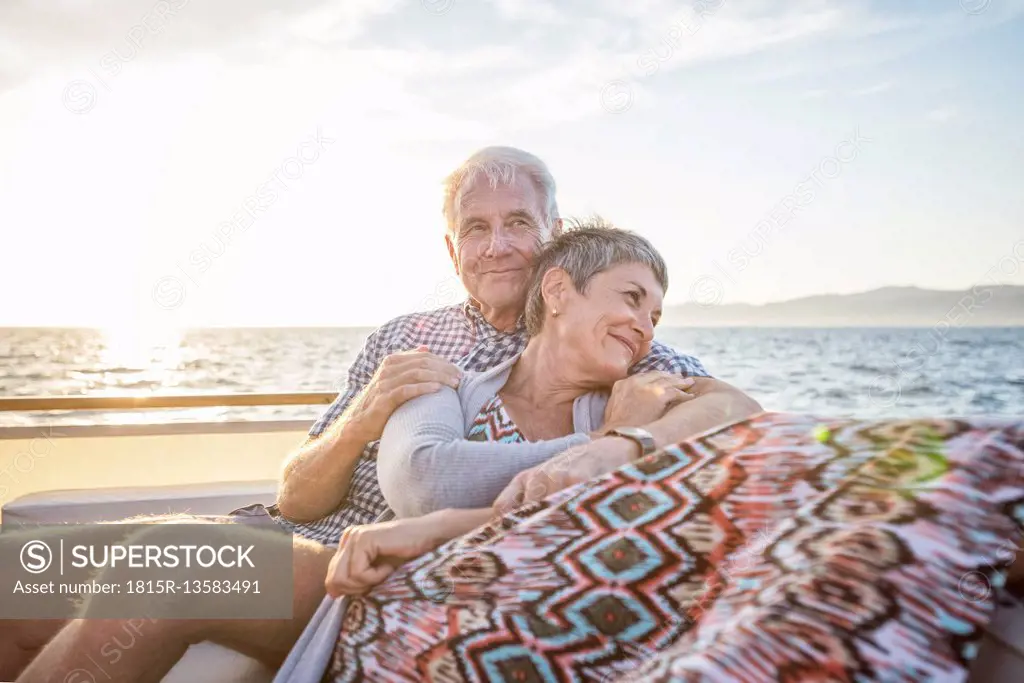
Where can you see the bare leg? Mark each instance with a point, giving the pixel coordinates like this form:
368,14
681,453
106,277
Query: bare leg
82,643
22,639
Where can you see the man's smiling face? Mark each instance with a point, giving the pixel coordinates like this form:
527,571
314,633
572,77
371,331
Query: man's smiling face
498,232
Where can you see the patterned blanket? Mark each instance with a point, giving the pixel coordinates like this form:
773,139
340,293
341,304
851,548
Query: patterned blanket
784,547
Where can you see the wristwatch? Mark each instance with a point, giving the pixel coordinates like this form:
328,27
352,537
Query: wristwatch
639,436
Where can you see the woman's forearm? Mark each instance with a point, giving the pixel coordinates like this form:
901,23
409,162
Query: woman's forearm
453,523
426,464
716,404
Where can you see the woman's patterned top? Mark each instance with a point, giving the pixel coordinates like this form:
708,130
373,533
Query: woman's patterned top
494,424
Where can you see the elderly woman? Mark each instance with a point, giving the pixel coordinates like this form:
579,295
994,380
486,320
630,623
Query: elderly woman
445,457
591,311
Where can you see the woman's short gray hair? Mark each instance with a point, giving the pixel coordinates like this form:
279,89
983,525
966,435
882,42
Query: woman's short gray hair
583,250
500,165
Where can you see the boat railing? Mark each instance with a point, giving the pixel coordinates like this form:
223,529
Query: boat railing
68,404
146,402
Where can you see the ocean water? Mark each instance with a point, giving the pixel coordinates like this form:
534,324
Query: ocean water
838,371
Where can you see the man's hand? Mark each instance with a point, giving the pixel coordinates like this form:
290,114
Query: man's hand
578,464
645,397
399,378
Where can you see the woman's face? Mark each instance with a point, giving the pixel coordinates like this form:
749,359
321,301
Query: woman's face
611,326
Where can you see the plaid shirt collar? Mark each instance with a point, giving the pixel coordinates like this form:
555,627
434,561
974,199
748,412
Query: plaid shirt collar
485,330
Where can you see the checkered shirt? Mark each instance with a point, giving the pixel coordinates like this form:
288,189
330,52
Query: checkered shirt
462,335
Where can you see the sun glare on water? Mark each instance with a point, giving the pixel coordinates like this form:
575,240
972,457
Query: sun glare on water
138,348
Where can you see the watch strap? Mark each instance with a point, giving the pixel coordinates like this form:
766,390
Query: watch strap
639,436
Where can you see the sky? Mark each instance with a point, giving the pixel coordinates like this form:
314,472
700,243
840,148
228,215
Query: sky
247,162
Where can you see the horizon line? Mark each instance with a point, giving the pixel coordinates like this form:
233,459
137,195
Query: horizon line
667,307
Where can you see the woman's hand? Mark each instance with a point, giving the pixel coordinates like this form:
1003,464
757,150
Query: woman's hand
578,464
645,397
368,554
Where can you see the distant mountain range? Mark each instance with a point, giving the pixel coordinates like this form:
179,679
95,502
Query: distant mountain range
984,306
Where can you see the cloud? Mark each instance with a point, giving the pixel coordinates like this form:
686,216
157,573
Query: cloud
43,36
872,38
873,89
627,43
555,61
542,11
943,114
505,63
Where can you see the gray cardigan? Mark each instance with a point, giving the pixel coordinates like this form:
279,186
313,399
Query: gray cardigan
425,463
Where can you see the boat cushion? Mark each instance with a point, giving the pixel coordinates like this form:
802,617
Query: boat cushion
209,663
82,506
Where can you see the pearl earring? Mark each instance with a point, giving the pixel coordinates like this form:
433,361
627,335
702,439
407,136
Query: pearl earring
554,313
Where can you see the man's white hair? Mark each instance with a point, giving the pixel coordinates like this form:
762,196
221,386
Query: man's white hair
501,165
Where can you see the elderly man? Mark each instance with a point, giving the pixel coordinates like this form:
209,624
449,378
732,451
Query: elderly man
500,209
